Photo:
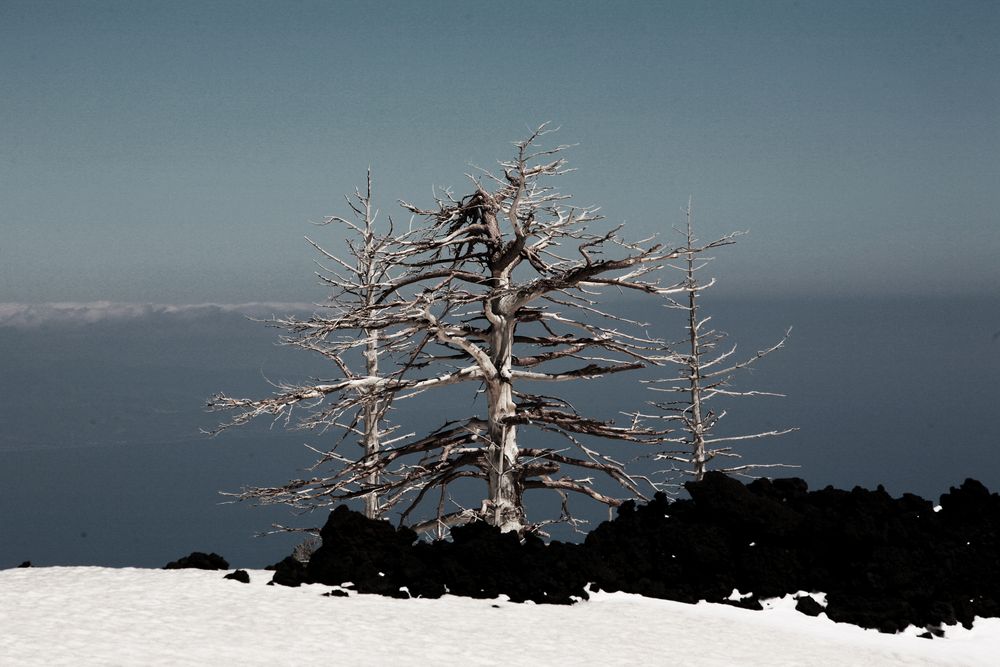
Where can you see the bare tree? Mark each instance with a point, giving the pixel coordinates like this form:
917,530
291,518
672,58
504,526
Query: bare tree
499,289
337,332
705,372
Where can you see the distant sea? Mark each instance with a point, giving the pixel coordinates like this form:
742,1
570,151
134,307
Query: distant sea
102,461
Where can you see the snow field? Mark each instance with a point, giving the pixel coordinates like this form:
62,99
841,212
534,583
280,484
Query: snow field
103,616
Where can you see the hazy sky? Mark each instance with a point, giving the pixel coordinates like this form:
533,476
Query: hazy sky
175,152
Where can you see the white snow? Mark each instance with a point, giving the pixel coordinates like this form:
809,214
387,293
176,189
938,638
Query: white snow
736,596
104,616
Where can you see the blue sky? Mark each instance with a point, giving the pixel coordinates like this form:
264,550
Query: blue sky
175,152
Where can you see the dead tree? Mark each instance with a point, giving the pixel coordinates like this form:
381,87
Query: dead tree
496,290
705,372
337,332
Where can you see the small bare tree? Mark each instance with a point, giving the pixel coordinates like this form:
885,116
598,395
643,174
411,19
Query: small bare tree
705,372
342,330
499,289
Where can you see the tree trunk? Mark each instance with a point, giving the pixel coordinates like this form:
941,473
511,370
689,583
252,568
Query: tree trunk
696,420
505,489
371,418
697,424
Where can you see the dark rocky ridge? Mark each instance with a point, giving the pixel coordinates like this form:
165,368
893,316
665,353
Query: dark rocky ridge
884,563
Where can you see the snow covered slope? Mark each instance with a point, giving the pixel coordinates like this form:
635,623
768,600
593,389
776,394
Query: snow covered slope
102,616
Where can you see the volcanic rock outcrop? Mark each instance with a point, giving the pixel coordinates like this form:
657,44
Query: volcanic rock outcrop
882,562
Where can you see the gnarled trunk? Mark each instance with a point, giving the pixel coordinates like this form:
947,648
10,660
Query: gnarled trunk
506,507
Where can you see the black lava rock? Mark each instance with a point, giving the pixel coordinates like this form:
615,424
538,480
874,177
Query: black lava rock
884,563
239,575
336,593
289,572
807,605
200,561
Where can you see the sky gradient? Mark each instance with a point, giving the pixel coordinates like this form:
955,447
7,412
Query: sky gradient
160,163
175,152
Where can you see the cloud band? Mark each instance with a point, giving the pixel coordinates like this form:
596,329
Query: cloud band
29,315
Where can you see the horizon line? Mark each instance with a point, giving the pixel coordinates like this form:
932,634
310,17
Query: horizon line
16,314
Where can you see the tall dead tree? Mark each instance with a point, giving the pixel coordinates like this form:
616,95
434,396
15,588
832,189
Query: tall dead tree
705,372
497,289
349,342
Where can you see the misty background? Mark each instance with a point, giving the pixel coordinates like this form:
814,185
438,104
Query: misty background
160,157
102,462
